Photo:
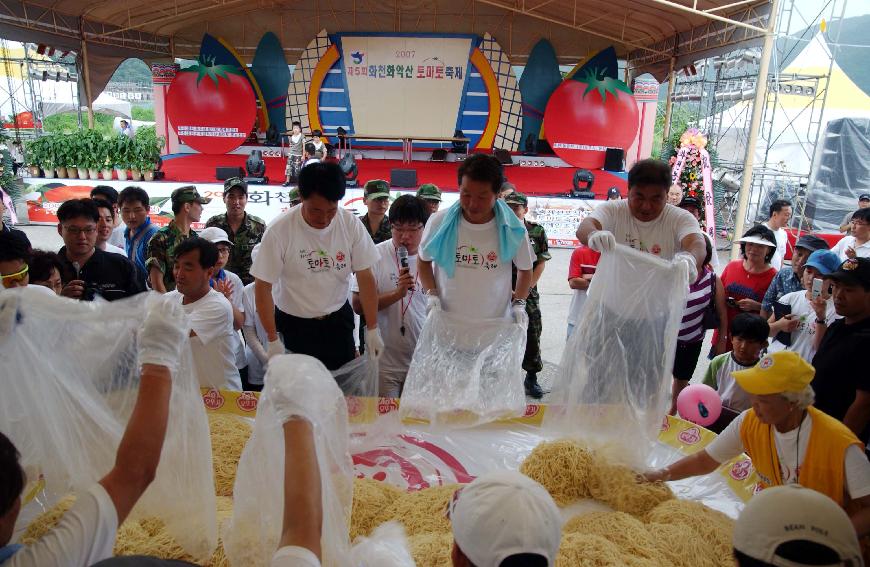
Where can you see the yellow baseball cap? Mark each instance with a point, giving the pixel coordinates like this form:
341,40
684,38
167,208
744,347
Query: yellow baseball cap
783,371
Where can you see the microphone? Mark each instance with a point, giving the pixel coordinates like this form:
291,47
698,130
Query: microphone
77,268
402,253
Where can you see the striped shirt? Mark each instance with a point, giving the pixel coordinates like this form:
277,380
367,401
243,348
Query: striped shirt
700,295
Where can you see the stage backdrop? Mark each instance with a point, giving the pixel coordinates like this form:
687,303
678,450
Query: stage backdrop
405,85
559,216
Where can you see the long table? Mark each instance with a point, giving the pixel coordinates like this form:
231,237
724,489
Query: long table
407,142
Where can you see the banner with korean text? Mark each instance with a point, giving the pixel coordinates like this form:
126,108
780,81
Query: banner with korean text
405,86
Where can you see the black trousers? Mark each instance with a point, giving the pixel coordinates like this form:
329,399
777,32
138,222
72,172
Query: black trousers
328,339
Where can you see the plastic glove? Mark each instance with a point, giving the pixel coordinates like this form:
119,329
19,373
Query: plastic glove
520,316
690,263
374,343
433,303
298,385
163,334
602,241
275,348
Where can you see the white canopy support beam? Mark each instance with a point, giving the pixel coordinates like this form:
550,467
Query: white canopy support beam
708,14
754,126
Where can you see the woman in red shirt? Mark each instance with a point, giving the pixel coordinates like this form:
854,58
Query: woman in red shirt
747,280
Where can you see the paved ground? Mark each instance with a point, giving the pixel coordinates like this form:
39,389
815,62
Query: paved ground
553,287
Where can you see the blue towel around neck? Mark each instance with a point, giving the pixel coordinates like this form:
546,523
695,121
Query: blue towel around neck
442,246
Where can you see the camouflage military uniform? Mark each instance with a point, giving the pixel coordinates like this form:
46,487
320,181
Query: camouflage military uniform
532,360
161,251
250,233
384,232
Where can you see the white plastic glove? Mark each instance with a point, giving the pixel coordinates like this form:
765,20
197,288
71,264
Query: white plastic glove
433,303
520,316
689,261
374,343
602,241
275,348
163,334
298,385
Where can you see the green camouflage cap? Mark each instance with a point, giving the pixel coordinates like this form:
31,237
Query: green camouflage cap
376,189
517,198
234,182
189,194
293,194
429,191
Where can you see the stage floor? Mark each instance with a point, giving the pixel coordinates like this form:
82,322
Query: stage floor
199,168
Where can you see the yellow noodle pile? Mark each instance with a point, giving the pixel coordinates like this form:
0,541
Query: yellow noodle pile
585,550
570,472
424,511
431,549
628,533
47,520
680,546
713,528
370,498
229,434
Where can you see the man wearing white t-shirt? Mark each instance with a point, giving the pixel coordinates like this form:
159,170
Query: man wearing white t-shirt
401,302
857,244
645,221
468,249
780,214
86,533
212,336
303,270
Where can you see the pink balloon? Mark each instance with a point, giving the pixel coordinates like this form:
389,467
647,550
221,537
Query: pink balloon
699,404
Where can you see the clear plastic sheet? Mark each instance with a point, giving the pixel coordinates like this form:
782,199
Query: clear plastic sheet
387,547
359,377
417,456
254,531
465,371
614,382
70,378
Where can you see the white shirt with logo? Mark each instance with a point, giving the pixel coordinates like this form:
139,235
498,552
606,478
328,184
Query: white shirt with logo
214,346
409,312
803,338
481,286
310,268
661,237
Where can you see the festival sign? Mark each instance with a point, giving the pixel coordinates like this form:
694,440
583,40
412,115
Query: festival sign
560,217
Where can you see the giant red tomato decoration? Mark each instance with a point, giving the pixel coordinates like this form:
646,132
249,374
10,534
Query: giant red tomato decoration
211,107
585,117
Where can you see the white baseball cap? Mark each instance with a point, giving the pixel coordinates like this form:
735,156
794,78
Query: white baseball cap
791,513
214,235
505,513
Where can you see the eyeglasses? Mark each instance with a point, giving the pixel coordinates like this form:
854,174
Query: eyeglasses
406,229
77,230
11,280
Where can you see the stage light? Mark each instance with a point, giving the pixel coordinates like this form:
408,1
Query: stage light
256,168
530,145
348,166
583,176
459,147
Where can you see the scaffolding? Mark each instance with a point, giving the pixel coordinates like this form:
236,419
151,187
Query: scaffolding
717,95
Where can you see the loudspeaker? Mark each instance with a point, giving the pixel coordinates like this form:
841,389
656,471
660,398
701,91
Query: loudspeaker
503,156
614,159
223,173
403,177
543,147
439,155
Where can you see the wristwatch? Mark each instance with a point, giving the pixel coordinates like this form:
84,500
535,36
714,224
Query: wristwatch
520,302
821,322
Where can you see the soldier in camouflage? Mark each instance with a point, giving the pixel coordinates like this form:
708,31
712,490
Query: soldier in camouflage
244,230
376,197
187,207
532,362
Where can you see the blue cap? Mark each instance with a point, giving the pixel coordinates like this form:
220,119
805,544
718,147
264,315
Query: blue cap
825,261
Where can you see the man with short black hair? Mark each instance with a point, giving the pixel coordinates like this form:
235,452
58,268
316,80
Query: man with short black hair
306,259
788,279
110,195
646,222
846,225
187,208
470,248
779,215
309,154
401,302
842,383
244,230
213,341
87,270
376,197
105,226
430,193
134,204
857,244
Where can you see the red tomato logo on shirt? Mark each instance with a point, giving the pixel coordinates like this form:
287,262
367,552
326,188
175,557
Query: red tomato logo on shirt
340,256
212,108
492,256
585,117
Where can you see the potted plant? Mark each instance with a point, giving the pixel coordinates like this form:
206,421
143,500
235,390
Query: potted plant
92,152
122,148
80,153
34,151
48,155
148,146
64,154
108,155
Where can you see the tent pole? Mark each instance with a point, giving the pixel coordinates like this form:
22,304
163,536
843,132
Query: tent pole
669,103
87,75
754,126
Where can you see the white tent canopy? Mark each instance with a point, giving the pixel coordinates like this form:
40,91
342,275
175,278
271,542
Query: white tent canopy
105,104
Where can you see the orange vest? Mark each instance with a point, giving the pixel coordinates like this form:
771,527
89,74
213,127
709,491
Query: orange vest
822,468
